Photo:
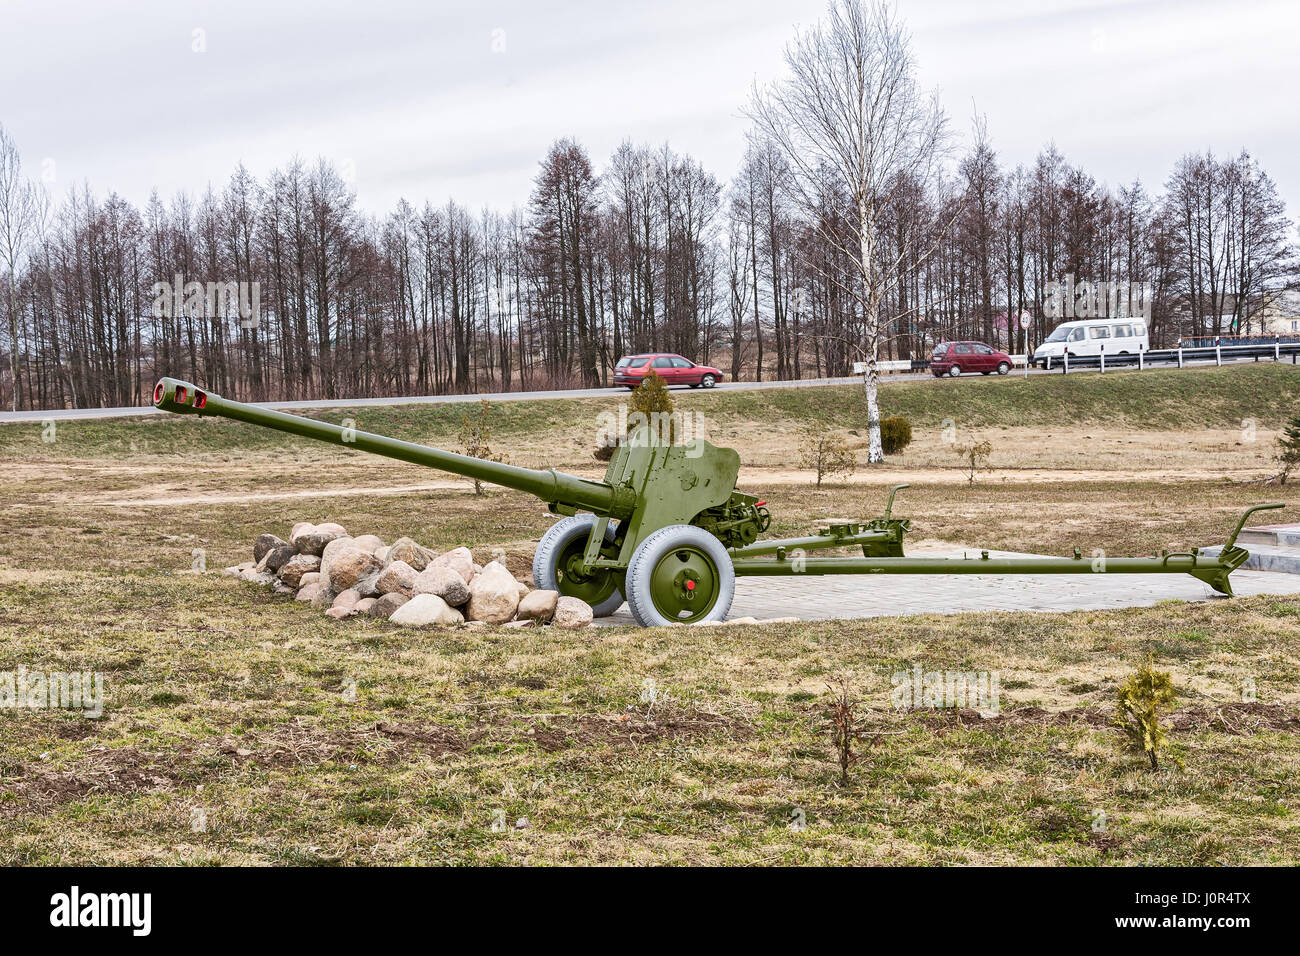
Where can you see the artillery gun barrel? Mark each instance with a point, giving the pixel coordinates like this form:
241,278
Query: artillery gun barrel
173,395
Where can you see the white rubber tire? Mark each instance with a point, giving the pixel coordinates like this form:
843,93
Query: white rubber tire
649,553
556,538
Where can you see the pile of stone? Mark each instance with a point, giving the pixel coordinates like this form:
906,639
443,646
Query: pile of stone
404,582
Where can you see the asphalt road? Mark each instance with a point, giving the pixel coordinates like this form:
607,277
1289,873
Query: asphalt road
88,413
74,414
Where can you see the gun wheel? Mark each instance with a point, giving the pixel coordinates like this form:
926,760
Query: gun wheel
680,575
557,565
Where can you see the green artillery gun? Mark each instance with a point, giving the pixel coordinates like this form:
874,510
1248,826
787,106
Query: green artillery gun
668,531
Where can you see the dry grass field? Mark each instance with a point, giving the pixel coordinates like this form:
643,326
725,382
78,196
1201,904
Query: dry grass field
243,728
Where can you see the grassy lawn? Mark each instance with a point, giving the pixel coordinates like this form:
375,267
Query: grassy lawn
244,728
225,702
1157,400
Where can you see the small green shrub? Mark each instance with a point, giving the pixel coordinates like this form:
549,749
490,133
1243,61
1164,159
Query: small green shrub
895,434
652,396
475,432
1288,455
655,404
1143,696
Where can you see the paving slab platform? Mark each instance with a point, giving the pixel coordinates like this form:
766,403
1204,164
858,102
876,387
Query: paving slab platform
844,596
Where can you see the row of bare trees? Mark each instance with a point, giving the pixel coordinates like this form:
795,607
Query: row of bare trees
967,256
101,298
850,232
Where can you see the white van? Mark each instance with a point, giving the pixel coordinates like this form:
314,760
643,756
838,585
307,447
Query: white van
1090,337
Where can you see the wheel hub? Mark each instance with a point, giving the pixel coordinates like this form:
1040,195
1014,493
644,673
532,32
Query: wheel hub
685,584
593,586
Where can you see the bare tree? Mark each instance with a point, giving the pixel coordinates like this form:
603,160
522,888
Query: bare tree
19,215
851,120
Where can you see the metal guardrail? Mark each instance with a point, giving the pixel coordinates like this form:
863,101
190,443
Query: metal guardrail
1257,347
1218,354
1210,341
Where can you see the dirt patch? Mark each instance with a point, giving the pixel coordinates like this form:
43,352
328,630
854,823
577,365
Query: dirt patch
435,740
284,747
119,770
291,746
494,681
1240,719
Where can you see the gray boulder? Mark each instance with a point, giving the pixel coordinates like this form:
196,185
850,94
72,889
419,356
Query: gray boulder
572,613
404,549
538,605
347,599
329,551
291,571
349,566
369,542
426,609
493,595
265,543
313,538
459,560
254,576
398,576
386,605
278,557
442,581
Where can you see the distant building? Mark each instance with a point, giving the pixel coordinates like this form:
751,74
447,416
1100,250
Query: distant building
1280,314
1273,313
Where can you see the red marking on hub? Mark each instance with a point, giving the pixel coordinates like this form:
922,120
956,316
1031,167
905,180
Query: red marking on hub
158,393
690,585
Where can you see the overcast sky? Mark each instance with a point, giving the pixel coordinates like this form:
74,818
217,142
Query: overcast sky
438,99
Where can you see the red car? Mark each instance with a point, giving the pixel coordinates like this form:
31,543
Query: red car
953,358
674,369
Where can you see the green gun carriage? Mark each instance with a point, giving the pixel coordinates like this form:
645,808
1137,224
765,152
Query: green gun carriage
668,531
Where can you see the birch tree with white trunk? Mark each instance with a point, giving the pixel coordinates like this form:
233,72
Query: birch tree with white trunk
854,126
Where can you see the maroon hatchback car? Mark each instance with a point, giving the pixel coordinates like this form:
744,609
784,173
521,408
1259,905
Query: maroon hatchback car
674,369
953,358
